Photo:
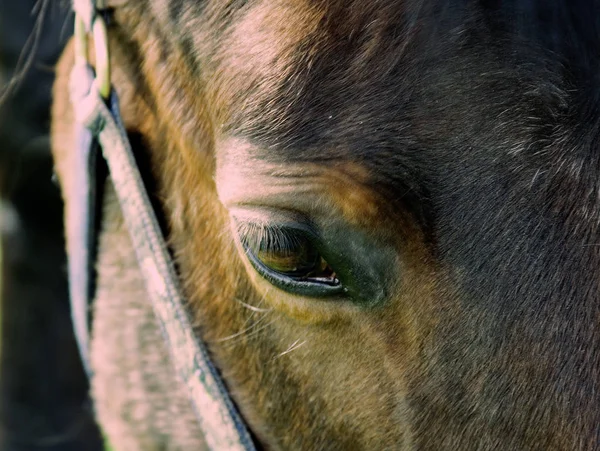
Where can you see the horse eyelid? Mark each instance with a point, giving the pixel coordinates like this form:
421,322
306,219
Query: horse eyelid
280,236
274,236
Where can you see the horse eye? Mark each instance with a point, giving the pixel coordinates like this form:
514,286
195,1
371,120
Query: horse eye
289,258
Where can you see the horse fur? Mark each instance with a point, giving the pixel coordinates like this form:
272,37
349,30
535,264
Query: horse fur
454,141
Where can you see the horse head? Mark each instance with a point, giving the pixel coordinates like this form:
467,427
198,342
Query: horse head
384,216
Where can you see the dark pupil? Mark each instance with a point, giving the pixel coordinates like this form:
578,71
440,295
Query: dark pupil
296,259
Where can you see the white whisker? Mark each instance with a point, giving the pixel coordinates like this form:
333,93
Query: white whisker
253,308
243,331
251,316
295,345
252,333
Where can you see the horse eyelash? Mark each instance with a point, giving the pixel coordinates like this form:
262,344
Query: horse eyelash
273,238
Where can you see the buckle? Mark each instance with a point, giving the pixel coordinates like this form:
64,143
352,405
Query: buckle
97,29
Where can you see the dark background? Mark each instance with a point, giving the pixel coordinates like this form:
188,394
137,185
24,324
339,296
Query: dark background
43,390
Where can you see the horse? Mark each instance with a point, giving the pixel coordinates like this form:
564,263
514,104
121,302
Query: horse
384,217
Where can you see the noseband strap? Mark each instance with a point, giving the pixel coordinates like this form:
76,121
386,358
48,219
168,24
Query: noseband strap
97,113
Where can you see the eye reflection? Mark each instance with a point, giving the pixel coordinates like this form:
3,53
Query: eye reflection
288,256
297,258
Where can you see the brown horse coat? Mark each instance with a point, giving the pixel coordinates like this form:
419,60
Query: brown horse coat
444,156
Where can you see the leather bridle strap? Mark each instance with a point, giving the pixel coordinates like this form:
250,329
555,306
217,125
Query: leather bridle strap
222,426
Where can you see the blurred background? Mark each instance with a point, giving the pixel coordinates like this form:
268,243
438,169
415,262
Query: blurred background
43,389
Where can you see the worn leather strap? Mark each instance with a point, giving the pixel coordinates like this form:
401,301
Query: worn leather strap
100,122
81,245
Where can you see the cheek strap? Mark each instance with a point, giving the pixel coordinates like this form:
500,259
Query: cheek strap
100,128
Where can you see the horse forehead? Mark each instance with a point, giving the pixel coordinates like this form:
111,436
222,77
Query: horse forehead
268,31
271,76
283,78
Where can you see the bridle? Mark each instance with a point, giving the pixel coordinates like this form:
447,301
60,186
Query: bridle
102,136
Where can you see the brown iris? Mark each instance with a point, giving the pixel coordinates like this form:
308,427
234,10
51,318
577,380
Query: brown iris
286,256
300,260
